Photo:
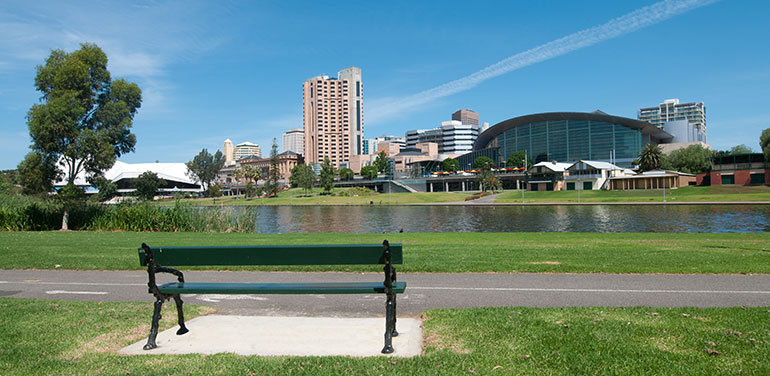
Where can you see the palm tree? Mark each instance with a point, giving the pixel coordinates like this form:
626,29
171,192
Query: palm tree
650,157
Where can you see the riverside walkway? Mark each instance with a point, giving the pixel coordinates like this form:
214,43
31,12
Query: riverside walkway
426,291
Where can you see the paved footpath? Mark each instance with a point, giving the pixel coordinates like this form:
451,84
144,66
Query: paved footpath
424,291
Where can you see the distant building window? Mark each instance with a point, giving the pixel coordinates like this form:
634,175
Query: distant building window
358,115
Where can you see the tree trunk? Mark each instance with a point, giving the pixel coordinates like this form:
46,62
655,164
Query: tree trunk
65,220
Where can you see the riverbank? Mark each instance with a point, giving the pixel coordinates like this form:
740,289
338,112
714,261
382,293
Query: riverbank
60,337
707,253
712,195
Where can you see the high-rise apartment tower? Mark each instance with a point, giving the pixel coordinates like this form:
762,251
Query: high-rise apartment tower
333,117
294,140
671,110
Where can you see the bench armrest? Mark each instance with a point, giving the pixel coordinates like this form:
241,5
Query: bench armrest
149,259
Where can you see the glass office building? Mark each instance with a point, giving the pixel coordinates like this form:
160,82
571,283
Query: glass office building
571,136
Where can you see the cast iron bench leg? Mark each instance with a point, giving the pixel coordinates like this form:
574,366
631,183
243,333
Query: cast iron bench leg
154,328
395,332
180,313
389,326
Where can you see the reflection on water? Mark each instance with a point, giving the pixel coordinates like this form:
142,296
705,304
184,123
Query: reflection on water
595,218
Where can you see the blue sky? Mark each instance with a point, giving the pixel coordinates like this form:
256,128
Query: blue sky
216,70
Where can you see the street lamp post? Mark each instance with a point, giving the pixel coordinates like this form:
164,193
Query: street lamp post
524,186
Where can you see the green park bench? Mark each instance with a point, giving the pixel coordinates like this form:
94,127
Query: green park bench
155,258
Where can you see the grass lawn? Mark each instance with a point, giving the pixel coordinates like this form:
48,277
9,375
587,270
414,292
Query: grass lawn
298,196
685,194
424,252
77,338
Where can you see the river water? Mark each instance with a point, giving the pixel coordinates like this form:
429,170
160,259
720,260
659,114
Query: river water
593,218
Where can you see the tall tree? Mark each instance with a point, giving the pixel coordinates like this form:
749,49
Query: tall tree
381,162
764,143
273,174
147,185
302,176
518,159
327,175
694,159
84,119
450,164
650,157
204,167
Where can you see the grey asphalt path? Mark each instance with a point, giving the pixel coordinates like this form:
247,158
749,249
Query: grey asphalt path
424,291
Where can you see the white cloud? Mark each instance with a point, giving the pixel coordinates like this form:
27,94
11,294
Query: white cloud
142,41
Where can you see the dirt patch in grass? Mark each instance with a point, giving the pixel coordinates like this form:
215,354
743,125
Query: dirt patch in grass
437,339
668,344
544,263
115,340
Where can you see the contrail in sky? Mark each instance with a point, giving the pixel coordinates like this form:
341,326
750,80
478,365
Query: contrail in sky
616,27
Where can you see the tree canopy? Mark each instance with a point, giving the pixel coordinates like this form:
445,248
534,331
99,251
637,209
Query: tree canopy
215,190
204,167
84,119
381,162
741,149
517,160
694,159
147,185
248,172
302,176
107,189
483,163
346,174
650,157
369,172
450,164
764,143
37,173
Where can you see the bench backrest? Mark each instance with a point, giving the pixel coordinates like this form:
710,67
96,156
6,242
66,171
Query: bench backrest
328,254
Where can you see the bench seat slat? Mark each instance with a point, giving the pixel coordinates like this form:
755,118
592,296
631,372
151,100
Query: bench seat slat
325,254
279,288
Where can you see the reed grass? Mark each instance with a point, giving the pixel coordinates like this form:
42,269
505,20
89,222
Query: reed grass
22,213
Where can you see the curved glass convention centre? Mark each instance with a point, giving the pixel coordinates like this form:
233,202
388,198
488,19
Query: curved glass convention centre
571,136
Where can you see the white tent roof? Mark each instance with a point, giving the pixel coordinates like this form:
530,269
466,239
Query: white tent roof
176,172
167,171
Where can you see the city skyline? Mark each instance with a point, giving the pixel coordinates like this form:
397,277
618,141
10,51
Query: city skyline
212,72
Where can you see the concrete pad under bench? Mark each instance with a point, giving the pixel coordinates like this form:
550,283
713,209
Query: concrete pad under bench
285,336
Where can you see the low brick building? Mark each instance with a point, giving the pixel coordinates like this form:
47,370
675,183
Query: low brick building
737,169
